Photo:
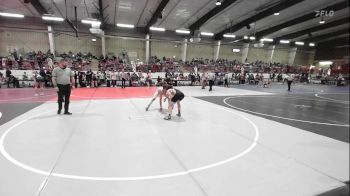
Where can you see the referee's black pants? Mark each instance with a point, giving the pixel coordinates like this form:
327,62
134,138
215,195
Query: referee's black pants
63,96
123,82
211,83
289,84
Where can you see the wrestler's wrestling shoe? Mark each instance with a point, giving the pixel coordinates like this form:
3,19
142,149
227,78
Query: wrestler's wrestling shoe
167,117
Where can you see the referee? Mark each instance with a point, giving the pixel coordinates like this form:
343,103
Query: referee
289,79
63,80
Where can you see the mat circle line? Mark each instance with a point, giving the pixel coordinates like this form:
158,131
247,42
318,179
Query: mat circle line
280,117
334,100
133,178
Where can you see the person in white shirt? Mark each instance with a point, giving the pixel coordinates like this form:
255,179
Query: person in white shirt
38,82
289,79
102,77
63,81
211,78
226,80
124,77
160,92
108,78
50,63
204,79
114,78
149,79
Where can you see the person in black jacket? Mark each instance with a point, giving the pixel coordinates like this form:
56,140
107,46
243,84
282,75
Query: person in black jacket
88,76
8,77
75,79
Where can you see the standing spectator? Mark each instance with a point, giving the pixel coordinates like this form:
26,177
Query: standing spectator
42,73
48,78
49,63
24,76
1,78
39,83
340,80
226,80
88,78
279,77
8,75
257,79
149,79
129,78
80,78
204,79
102,77
273,76
108,78
192,78
114,78
159,80
14,81
94,80
124,77
62,79
75,79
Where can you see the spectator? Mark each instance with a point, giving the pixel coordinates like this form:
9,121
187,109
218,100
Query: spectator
114,78
257,79
124,77
88,76
80,79
39,80
24,76
75,79
226,80
159,80
8,75
1,78
94,80
149,79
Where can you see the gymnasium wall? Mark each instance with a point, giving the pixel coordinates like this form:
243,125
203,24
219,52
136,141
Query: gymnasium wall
68,42
167,49
280,55
332,53
303,57
135,48
226,53
257,54
200,51
23,42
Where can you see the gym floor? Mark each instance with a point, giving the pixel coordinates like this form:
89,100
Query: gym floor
244,140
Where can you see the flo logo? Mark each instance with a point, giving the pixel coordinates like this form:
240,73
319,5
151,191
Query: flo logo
321,13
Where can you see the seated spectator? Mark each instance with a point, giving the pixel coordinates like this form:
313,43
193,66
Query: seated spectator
257,79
